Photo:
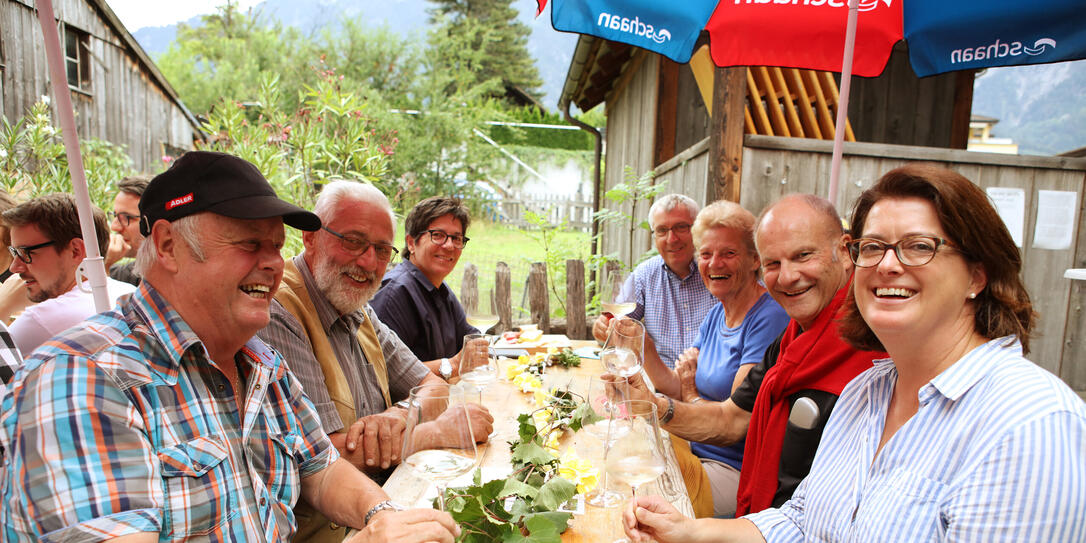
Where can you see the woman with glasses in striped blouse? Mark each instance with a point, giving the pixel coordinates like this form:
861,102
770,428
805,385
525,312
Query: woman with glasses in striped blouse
956,436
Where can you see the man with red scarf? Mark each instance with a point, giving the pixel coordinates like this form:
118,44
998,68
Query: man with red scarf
784,402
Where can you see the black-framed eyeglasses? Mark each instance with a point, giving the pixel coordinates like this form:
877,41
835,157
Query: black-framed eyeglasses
357,246
679,229
910,250
439,237
23,252
124,218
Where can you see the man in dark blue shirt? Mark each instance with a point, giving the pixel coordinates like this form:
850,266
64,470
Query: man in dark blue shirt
414,300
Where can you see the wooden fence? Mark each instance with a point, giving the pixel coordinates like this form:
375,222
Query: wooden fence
576,325
555,208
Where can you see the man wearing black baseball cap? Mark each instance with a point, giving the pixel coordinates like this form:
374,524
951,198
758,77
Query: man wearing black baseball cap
174,420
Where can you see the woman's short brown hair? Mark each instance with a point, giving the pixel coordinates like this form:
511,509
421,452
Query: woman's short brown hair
973,225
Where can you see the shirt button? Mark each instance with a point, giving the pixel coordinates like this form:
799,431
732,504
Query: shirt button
258,386
222,387
263,501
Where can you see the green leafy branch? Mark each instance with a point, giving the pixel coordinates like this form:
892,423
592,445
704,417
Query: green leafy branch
523,507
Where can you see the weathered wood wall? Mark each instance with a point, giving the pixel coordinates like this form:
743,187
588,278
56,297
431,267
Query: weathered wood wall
773,167
630,131
126,105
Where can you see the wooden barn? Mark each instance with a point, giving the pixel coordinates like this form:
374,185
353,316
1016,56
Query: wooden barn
117,91
740,134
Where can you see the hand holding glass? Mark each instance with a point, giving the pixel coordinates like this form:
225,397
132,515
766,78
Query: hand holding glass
438,441
637,457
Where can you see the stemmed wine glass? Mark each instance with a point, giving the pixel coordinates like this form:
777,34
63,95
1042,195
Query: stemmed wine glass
482,320
614,303
477,368
637,456
624,352
438,443
601,406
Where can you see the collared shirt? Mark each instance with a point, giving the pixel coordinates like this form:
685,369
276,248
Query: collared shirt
429,319
288,336
671,308
995,452
126,425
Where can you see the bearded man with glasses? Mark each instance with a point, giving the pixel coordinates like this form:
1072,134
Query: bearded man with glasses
354,367
414,299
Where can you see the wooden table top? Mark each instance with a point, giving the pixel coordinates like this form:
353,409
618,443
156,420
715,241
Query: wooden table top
505,403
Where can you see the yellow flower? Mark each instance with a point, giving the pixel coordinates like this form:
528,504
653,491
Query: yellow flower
542,417
527,382
578,470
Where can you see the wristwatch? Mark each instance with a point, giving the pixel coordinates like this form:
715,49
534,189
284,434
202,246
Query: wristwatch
387,505
445,368
666,417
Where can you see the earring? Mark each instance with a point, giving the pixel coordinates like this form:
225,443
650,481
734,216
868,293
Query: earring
972,295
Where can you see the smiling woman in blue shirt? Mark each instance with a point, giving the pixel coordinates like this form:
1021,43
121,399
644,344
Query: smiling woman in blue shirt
927,445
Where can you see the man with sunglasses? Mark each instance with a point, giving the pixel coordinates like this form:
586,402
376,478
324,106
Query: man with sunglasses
47,248
351,365
126,238
671,298
414,299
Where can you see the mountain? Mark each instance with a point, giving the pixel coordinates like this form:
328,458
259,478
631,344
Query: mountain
1042,107
552,50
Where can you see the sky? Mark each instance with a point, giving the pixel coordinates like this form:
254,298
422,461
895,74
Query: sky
136,14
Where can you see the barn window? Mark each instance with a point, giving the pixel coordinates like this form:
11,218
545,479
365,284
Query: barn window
77,58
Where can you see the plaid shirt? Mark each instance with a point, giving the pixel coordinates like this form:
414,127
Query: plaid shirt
125,425
671,308
10,360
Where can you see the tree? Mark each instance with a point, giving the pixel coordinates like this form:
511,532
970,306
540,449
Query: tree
225,55
504,49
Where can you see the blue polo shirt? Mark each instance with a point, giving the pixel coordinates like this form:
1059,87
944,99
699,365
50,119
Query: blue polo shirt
428,319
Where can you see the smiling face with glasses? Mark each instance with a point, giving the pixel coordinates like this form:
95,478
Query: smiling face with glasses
910,280
436,250
675,243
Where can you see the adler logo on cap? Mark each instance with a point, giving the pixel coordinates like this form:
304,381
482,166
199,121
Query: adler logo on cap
186,199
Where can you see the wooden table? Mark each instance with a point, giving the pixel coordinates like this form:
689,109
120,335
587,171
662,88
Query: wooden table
505,403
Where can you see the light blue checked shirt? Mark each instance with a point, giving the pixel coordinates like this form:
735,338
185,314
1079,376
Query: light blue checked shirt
671,308
996,452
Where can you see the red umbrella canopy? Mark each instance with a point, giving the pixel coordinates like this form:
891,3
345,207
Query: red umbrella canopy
803,34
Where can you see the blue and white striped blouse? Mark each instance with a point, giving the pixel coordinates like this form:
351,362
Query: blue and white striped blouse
996,452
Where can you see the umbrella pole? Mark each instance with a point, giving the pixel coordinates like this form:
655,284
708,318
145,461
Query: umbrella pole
96,270
842,102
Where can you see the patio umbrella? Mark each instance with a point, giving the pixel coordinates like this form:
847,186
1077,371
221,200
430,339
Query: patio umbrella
93,266
856,36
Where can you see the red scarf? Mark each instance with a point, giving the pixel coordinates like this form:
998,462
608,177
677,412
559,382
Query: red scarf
816,359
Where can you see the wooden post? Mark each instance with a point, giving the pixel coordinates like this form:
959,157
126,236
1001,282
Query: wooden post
503,297
538,297
575,307
469,288
726,133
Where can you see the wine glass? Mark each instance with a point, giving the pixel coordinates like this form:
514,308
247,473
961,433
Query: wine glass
477,367
482,320
637,456
623,353
438,442
615,303
601,406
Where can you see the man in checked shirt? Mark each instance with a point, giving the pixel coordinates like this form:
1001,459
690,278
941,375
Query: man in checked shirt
165,419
